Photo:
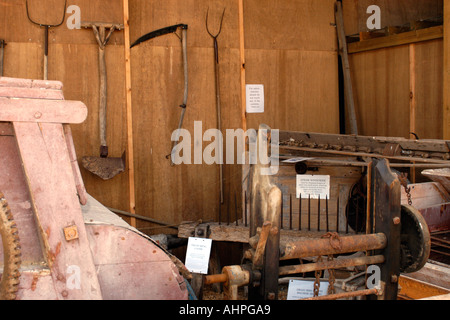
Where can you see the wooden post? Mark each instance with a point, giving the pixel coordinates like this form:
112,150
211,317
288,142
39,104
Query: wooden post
446,111
130,146
412,98
242,56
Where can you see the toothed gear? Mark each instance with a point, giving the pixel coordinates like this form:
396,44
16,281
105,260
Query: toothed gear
415,240
11,252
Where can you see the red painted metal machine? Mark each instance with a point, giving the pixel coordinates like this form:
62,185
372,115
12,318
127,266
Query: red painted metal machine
58,242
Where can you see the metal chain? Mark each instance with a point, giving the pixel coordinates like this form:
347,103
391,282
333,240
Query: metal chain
318,274
404,182
331,277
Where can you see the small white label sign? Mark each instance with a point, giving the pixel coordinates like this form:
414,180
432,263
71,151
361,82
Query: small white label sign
296,160
301,289
255,98
314,186
197,255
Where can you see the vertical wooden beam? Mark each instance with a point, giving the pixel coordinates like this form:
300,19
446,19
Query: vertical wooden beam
242,57
412,98
130,147
386,210
446,113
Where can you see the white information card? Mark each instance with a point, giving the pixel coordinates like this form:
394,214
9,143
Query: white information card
314,186
302,289
197,255
255,98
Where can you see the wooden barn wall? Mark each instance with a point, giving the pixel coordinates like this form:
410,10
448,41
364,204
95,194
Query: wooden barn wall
286,43
290,48
398,90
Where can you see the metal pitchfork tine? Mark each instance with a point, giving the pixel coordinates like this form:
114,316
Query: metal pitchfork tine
216,70
216,47
47,27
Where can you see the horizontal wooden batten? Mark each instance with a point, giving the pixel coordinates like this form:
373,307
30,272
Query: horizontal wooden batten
397,39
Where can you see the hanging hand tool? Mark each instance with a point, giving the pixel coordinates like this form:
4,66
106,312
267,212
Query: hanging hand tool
104,167
218,107
161,32
2,50
47,27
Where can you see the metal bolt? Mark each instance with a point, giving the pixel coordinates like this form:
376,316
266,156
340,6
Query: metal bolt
65,294
38,115
394,278
396,220
271,296
71,233
274,231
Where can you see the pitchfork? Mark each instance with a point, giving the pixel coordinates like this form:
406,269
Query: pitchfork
47,27
216,62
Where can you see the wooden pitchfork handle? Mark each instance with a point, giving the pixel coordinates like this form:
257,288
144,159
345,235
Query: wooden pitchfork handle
102,40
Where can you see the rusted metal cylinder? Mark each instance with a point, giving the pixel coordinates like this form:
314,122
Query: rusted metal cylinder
215,278
337,263
326,246
344,295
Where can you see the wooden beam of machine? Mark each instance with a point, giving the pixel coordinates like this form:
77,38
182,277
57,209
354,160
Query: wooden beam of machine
130,146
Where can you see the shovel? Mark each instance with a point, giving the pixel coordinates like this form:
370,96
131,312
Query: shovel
103,166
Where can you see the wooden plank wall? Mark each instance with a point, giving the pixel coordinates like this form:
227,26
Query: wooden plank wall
290,47
446,89
398,90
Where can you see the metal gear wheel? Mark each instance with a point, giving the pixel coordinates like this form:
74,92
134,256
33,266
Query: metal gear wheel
415,240
11,252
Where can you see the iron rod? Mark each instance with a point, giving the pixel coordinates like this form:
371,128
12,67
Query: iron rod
334,264
309,212
318,214
350,294
245,213
290,212
300,212
326,211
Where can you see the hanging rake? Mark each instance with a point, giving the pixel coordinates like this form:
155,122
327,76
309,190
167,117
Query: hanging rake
46,28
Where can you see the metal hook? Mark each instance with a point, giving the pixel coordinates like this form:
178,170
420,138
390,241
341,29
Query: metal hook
47,25
221,21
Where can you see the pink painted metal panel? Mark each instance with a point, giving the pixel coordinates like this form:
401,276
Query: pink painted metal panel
131,267
36,284
14,186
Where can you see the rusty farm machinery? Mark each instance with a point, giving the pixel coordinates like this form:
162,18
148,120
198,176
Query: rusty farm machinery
373,223
60,243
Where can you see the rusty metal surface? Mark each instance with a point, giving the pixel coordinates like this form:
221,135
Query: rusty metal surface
347,244
345,295
333,264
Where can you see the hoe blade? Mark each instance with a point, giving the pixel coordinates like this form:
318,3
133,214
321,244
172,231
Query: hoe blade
105,168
